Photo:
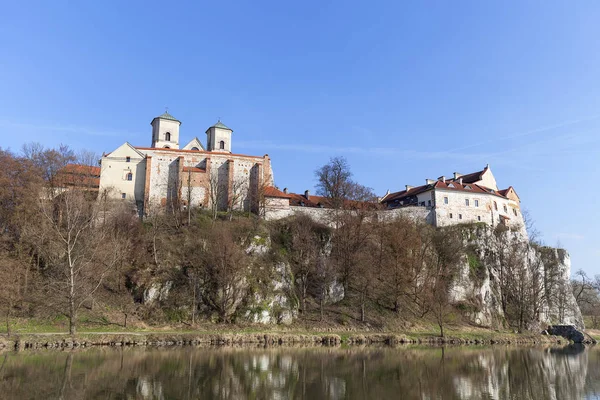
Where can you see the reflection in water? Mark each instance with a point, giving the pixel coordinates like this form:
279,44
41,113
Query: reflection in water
304,373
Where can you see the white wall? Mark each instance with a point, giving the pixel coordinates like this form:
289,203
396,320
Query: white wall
486,212
214,137
113,174
160,127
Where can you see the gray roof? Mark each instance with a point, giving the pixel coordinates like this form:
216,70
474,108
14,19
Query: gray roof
221,125
168,116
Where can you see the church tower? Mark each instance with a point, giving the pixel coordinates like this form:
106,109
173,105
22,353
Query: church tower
165,131
218,138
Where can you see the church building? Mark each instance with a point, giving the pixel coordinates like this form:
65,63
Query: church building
169,176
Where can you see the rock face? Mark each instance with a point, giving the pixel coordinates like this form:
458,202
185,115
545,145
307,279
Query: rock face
502,281
503,271
567,331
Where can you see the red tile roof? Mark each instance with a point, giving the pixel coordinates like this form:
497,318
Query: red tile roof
195,151
301,200
81,169
472,177
447,185
77,175
504,192
193,169
271,191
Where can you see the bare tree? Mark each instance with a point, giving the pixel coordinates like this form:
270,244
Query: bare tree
305,252
87,157
225,267
534,234
216,191
587,294
446,256
237,192
49,162
334,181
79,253
10,285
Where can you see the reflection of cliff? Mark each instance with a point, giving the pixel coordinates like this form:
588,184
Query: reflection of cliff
310,373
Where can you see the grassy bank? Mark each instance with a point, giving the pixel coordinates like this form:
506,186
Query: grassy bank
35,334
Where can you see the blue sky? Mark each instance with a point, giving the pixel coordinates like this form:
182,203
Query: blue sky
406,91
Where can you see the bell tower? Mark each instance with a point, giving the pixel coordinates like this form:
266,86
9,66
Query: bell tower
218,138
165,131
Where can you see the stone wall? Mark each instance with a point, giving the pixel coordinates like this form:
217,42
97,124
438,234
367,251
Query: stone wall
277,210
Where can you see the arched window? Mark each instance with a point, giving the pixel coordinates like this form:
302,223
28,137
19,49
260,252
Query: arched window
166,147
222,145
495,206
505,209
195,148
129,176
168,136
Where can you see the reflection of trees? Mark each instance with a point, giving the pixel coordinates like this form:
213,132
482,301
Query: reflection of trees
310,373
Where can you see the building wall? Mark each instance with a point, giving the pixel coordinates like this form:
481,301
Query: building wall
160,127
488,180
457,211
113,176
214,137
163,189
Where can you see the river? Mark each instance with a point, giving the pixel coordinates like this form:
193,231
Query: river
406,372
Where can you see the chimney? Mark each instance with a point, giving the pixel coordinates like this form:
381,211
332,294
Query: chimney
460,180
306,194
457,175
442,178
429,181
408,187
285,190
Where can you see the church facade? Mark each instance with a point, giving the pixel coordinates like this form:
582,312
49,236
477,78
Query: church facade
169,176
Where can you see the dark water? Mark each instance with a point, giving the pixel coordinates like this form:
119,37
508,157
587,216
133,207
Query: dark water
303,373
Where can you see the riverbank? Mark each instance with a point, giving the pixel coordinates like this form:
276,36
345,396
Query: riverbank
159,339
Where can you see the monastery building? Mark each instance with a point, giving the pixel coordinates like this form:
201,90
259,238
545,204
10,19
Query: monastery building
166,175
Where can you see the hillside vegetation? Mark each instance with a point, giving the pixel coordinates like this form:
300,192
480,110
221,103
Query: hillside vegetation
73,256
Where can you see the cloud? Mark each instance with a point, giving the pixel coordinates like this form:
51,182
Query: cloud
569,236
527,133
380,151
64,129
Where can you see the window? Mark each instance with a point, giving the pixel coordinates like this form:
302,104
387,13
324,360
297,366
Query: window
476,203
468,187
127,159
505,209
129,176
450,215
123,195
495,206
459,216
451,185
429,203
195,148
168,136
515,211
222,145
467,202
166,147
446,201
479,218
